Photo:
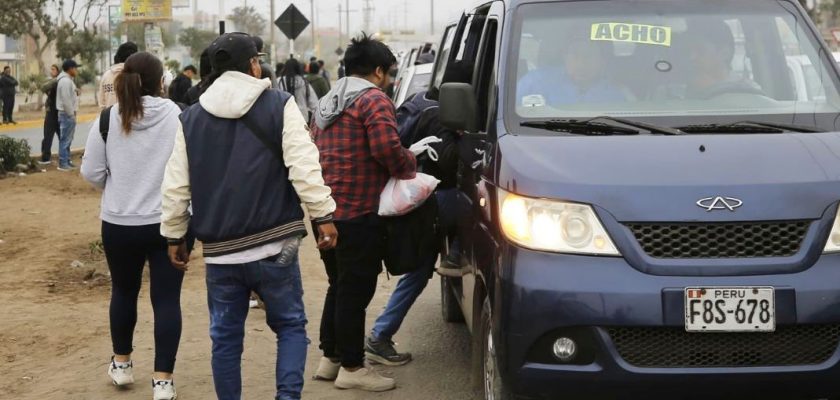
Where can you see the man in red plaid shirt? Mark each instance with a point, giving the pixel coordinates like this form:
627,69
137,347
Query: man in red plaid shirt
356,134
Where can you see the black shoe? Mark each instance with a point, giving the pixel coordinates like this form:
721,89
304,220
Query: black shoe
13,122
383,352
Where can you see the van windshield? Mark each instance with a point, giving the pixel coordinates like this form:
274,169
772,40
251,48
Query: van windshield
671,61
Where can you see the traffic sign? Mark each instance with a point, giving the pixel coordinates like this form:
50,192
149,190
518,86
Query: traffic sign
292,22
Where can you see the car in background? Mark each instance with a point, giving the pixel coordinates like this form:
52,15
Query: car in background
416,79
649,199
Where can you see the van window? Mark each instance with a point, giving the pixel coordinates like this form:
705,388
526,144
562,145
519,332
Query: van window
651,58
443,56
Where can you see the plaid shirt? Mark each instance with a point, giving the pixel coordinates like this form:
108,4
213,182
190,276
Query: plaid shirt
359,153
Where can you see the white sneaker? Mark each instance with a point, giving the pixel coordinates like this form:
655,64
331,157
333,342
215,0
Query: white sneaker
121,374
364,378
327,370
164,389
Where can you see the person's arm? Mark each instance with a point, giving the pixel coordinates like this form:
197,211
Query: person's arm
63,99
384,141
175,218
311,99
94,162
303,161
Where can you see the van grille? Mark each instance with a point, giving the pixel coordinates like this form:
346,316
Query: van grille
676,348
721,240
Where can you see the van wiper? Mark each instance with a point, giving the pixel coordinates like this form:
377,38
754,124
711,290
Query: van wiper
601,126
748,127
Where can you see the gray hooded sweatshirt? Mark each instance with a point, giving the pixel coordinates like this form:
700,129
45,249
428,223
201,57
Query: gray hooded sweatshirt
130,167
345,92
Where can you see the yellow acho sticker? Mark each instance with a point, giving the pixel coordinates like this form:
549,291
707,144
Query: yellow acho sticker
631,33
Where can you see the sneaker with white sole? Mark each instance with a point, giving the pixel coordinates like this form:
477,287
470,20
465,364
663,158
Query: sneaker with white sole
121,374
327,370
164,389
364,378
383,352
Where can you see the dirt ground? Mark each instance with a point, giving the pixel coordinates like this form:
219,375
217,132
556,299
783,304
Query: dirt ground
54,337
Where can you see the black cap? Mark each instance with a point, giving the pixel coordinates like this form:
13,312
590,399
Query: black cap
124,51
258,42
230,50
69,64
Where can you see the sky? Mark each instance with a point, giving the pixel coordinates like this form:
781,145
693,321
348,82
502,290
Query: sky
388,14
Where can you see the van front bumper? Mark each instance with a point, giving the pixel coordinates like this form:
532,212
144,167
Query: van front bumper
595,300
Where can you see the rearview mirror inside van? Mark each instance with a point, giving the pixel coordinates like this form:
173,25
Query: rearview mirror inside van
458,107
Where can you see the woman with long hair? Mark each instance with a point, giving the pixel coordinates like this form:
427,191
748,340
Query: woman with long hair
127,161
293,82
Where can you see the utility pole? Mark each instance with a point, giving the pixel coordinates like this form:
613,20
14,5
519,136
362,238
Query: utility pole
367,15
347,17
432,14
340,26
316,49
271,29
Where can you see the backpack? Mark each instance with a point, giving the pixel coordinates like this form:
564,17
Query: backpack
409,113
410,239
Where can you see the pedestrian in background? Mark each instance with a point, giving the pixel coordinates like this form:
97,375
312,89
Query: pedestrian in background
356,134
314,77
341,72
326,74
67,104
267,72
205,69
106,95
293,82
51,116
127,161
182,84
8,89
242,134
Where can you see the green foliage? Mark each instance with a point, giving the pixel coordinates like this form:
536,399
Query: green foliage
32,84
13,152
86,44
86,75
196,40
248,20
173,65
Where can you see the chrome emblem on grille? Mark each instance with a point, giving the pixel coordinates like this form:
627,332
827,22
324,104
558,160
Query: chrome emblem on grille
719,203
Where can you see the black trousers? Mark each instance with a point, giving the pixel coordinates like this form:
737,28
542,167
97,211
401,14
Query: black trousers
127,248
8,107
50,130
353,268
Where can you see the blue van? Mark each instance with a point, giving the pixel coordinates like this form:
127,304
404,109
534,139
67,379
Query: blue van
650,196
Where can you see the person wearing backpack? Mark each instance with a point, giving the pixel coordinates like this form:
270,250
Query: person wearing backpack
419,118
125,155
293,82
355,131
245,162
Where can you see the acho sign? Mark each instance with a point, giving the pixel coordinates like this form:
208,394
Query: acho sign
631,33
147,10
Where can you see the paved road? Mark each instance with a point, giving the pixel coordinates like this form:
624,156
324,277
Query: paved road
35,135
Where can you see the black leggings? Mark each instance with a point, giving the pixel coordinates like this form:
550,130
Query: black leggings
127,249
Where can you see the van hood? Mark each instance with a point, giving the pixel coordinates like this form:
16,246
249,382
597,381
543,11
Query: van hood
661,178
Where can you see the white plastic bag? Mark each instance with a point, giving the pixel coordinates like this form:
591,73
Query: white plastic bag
401,197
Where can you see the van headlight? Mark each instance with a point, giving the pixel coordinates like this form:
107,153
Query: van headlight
555,226
833,244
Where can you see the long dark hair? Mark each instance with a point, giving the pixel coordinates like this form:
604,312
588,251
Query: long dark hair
290,73
141,76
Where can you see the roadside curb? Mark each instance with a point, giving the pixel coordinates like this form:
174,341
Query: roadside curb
84,118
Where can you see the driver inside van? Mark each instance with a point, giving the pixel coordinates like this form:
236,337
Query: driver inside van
574,74
711,49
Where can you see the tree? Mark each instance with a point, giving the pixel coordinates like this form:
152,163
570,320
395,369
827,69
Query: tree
29,18
248,20
196,40
86,44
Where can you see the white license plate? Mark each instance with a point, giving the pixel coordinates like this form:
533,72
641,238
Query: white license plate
730,309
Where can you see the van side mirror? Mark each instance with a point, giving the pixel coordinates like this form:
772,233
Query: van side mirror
458,107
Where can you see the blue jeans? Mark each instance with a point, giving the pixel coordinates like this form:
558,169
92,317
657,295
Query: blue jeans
228,293
411,285
67,129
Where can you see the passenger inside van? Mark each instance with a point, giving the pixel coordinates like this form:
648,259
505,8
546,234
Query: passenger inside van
711,48
571,75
